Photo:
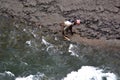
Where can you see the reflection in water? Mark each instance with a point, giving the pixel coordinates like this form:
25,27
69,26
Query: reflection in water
28,52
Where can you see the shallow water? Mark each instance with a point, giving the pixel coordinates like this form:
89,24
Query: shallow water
28,53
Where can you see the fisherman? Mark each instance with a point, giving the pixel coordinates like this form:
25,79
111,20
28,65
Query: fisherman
67,25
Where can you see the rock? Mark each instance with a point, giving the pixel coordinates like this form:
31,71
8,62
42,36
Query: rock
14,6
30,3
112,8
52,9
95,15
94,27
50,19
99,9
29,10
117,3
33,19
106,30
44,1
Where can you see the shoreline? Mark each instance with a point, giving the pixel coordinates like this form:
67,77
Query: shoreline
100,22
101,43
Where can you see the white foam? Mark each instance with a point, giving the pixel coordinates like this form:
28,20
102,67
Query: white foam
29,43
48,45
71,49
38,76
90,73
45,42
25,78
56,38
24,30
9,73
34,34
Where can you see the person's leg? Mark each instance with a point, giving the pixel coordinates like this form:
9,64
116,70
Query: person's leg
62,29
71,32
63,33
66,30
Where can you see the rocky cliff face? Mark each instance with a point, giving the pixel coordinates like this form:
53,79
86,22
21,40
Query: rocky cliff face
99,18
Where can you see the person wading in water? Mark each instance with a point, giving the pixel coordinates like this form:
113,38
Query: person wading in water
67,25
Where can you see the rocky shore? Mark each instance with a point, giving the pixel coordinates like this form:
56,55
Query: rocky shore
99,19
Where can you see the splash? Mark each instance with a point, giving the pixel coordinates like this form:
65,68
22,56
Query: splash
29,43
90,73
72,50
38,76
7,75
48,45
45,42
25,78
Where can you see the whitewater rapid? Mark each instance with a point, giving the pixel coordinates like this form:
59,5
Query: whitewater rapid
90,73
84,73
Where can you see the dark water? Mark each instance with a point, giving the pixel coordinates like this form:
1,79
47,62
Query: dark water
28,50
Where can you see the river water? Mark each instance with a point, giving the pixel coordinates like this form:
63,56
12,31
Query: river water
31,53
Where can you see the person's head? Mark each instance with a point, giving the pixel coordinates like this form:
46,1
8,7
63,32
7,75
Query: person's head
77,22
